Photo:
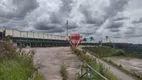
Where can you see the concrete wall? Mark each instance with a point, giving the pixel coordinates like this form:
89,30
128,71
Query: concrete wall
9,32
36,35
16,33
30,35
24,34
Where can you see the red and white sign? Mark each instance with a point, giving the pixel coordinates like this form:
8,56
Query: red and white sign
75,40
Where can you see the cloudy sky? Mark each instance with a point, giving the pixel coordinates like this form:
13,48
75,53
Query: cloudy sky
120,20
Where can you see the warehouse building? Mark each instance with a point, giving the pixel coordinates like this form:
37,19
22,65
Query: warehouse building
33,39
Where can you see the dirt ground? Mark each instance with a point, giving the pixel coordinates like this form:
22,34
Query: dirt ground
131,64
49,61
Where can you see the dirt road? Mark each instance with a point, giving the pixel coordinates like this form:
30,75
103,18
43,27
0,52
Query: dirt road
49,61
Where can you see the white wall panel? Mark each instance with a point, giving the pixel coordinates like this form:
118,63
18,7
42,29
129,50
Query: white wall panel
41,35
36,35
48,36
57,37
9,32
24,34
60,37
54,37
45,36
30,34
64,38
16,33
33,34
51,37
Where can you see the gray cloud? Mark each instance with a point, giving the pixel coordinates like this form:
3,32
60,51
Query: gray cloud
137,21
111,11
116,35
57,20
71,25
44,26
116,25
48,27
17,8
87,33
121,18
114,7
130,30
54,18
134,36
66,8
13,12
89,16
114,30
49,16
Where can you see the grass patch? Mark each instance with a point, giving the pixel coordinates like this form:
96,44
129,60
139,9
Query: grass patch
63,72
100,68
38,76
16,65
104,51
120,67
97,66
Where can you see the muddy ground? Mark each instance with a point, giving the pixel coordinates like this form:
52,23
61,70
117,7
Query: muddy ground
49,61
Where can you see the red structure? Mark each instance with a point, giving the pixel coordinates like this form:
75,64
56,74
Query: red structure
75,39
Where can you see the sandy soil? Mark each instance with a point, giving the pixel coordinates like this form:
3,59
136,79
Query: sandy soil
129,63
49,61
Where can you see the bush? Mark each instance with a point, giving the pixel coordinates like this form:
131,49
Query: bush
120,66
16,65
105,51
63,72
97,66
119,52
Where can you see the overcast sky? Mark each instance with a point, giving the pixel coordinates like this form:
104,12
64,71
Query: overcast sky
120,20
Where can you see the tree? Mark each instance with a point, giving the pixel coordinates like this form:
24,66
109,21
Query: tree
84,39
106,38
91,38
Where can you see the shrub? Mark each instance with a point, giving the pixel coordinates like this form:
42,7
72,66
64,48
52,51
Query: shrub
15,65
97,66
63,72
120,66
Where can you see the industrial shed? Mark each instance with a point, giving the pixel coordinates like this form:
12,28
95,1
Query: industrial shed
33,39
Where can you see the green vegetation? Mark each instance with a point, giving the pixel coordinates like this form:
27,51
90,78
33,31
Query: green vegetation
63,72
131,50
124,70
38,76
100,68
8,38
105,51
16,65
97,66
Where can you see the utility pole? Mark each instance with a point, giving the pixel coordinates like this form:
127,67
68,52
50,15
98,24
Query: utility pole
101,41
67,27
